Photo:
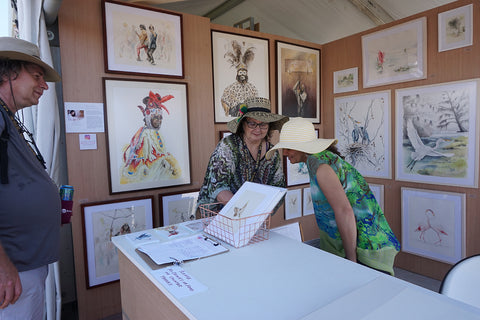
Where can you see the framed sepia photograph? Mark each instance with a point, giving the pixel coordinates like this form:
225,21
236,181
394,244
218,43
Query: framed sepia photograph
240,71
178,207
436,134
433,224
362,128
396,54
455,28
298,81
142,41
345,80
107,219
147,134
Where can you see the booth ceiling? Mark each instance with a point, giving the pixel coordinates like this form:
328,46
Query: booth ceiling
318,21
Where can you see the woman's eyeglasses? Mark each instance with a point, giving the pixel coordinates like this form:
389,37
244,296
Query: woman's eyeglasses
253,125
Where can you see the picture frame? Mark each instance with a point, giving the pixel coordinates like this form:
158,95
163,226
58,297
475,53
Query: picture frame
345,80
141,40
396,54
293,204
433,224
131,122
362,128
455,28
437,135
298,81
378,191
307,202
104,220
250,60
178,207
295,173
291,230
223,134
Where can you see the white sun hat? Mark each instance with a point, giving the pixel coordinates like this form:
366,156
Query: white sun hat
299,134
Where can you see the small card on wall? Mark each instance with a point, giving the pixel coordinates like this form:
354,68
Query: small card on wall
87,141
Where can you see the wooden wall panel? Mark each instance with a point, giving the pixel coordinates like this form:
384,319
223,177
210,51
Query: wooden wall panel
453,65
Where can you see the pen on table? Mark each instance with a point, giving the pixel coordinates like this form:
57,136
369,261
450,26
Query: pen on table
213,242
143,235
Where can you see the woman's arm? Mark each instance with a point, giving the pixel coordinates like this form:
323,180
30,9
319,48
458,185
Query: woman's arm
344,216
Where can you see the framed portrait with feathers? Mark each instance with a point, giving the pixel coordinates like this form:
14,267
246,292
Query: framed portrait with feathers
240,71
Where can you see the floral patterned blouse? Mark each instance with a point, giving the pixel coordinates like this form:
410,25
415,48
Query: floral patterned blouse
376,243
231,164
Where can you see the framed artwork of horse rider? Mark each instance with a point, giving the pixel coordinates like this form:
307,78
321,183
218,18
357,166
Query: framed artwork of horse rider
240,71
142,41
433,224
436,133
298,77
147,134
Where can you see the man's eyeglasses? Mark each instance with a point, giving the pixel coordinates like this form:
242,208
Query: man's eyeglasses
253,125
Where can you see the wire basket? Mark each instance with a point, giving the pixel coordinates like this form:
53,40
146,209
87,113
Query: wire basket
237,232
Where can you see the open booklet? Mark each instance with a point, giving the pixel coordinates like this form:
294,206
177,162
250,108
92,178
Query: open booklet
238,221
182,249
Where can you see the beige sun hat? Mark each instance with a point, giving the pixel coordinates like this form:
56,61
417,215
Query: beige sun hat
259,109
17,49
299,134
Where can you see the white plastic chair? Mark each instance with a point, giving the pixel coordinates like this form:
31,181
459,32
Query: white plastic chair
462,282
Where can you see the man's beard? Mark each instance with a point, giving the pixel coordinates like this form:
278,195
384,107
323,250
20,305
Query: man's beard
242,79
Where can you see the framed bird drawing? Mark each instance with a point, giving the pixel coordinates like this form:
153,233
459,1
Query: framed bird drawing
436,134
433,224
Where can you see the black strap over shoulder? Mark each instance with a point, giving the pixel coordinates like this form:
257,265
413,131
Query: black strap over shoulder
4,137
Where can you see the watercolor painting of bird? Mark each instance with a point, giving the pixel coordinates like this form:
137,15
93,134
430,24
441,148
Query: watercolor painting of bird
430,224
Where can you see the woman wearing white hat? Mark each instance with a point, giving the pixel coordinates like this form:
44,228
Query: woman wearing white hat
240,156
351,222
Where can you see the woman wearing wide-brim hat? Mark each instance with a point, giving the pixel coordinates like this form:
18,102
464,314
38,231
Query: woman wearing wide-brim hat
240,156
351,222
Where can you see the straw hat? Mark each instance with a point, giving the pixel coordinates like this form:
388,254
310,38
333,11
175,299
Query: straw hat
17,49
259,109
299,134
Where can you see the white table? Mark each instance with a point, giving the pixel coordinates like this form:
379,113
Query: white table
279,278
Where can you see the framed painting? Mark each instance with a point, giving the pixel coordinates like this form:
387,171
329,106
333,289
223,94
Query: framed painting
240,70
433,224
436,134
147,131
107,219
362,128
298,81
295,173
345,80
293,204
307,202
455,28
142,41
378,192
178,207
396,54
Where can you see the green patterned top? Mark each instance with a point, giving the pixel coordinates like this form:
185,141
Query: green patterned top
376,243
231,164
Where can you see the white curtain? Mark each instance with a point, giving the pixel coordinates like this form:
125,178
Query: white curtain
43,121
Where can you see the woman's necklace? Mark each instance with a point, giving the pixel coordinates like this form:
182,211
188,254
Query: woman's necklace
251,174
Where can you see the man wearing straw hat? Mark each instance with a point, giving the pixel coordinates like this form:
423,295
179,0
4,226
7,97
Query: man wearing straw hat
351,222
30,207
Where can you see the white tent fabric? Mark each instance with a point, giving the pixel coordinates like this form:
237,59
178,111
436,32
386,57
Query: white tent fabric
44,122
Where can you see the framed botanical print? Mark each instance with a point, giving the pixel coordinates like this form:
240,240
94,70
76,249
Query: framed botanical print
436,133
142,41
240,71
293,204
396,54
298,81
147,126
433,224
107,219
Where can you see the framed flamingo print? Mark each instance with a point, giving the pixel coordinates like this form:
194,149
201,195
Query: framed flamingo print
433,224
